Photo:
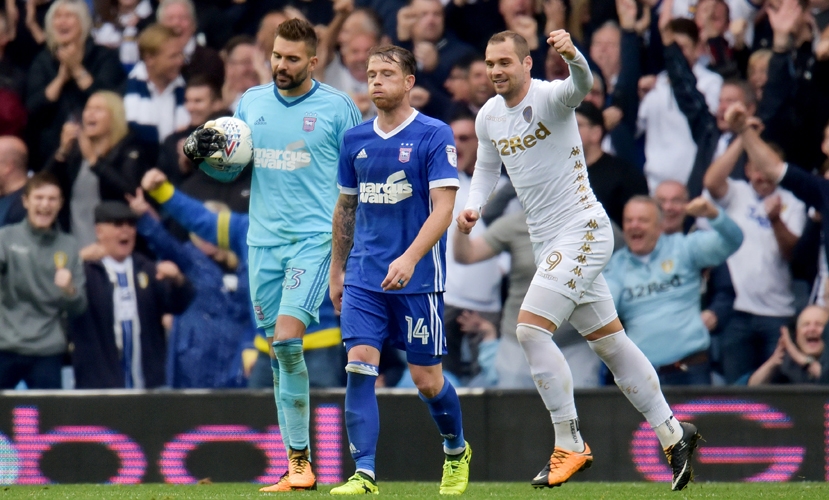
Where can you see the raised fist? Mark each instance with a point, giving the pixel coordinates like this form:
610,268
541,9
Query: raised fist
702,207
203,142
153,179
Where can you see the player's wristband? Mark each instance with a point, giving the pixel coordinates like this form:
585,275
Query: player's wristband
163,193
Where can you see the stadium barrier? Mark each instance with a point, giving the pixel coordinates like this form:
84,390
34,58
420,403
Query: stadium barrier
126,437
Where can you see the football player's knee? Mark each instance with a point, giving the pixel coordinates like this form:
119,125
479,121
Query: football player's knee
531,333
427,383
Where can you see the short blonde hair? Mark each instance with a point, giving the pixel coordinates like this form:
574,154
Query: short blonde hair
118,117
760,55
153,38
77,7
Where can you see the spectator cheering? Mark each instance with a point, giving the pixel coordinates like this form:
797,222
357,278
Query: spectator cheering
772,220
65,74
800,361
98,159
657,277
41,277
120,342
206,340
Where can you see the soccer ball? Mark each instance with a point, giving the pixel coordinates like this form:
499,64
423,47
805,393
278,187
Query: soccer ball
227,163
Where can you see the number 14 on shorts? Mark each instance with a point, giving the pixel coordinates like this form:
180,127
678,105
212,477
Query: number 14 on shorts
417,330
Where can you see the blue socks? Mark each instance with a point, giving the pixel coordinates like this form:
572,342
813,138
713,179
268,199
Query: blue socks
280,416
293,398
446,412
362,418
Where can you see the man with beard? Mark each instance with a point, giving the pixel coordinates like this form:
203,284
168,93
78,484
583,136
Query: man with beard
398,177
531,127
297,125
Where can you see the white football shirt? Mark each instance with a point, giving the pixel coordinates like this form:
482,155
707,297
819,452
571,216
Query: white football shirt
539,143
760,275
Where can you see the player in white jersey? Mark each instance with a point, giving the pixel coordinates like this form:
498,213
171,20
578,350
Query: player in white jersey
530,127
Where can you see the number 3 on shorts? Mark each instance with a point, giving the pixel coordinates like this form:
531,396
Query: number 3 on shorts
292,282
419,331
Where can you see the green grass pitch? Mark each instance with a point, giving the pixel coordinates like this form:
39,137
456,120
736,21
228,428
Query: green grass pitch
574,491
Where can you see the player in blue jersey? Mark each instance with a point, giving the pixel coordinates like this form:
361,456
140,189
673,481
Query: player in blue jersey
298,125
398,177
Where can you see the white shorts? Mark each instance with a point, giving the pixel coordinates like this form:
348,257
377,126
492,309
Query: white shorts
571,267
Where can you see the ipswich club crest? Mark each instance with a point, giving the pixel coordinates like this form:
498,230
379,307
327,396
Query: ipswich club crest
405,155
308,123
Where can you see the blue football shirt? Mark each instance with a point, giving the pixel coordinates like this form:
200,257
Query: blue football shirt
296,145
392,174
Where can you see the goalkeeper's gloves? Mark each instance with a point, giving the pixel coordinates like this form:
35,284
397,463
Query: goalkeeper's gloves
203,142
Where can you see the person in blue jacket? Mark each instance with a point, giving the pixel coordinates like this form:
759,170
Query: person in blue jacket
228,230
655,282
206,341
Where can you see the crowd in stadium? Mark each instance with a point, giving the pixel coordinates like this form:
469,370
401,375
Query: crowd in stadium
98,96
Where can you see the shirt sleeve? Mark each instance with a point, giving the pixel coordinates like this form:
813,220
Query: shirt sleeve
570,92
487,168
442,163
712,248
794,214
497,236
351,117
346,175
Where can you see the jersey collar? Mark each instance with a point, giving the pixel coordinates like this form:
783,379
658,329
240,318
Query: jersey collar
397,129
298,100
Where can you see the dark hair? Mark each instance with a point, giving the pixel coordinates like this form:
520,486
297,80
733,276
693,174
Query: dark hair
687,27
397,55
466,62
520,43
202,80
748,93
297,30
461,114
236,41
593,114
41,179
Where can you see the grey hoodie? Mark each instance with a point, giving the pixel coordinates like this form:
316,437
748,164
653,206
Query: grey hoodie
30,303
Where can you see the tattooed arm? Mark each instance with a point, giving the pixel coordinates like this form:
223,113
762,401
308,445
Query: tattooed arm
343,238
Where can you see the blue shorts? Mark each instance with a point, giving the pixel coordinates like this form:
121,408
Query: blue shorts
413,323
289,280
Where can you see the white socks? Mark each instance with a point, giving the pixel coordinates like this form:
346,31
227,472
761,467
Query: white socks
638,380
669,432
632,371
554,383
568,436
